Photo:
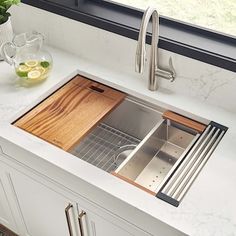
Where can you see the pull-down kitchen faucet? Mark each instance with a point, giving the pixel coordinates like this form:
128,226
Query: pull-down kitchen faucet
155,71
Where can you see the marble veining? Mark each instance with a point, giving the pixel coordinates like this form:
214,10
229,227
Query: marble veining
208,84
204,82
200,88
212,212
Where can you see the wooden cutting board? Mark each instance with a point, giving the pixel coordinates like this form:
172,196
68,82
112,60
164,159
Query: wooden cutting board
199,127
65,117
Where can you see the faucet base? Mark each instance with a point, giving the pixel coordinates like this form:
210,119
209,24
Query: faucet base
153,87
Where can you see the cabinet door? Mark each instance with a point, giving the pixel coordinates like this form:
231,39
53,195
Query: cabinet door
43,210
6,216
98,222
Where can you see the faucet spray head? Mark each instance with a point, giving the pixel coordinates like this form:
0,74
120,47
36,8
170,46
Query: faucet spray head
140,59
141,50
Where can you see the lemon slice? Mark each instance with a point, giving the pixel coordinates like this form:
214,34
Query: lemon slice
40,69
34,74
31,63
22,71
24,68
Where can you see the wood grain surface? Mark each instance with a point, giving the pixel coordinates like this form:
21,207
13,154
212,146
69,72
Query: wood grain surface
6,232
65,117
199,127
133,183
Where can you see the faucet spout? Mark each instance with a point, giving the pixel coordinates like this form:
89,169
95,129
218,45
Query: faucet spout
140,59
141,49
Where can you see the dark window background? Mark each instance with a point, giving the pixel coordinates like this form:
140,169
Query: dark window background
175,36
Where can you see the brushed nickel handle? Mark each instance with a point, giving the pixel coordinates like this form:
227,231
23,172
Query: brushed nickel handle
67,209
81,228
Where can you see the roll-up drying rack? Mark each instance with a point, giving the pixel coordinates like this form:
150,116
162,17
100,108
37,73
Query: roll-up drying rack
182,177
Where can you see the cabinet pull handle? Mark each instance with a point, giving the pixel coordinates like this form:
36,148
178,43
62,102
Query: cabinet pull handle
68,218
81,223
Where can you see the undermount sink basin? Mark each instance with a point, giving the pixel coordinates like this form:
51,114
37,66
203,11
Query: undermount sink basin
152,160
150,148
158,151
122,130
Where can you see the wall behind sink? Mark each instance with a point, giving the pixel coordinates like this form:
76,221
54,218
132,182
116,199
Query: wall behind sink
195,79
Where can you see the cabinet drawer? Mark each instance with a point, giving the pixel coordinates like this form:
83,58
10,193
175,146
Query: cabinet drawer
96,221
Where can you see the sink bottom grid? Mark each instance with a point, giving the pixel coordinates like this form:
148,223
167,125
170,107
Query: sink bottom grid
100,147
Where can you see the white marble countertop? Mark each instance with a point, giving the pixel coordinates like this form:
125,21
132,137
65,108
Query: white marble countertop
209,208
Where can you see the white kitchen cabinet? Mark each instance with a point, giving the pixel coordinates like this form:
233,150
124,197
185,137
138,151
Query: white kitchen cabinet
6,216
98,226
97,222
42,209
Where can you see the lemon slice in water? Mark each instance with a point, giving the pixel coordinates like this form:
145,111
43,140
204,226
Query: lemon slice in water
22,71
31,63
34,74
40,69
24,68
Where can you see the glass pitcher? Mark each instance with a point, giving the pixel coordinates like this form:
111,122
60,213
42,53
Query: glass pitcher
31,63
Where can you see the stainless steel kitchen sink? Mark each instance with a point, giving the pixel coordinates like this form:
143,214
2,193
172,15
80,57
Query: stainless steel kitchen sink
155,156
158,151
128,124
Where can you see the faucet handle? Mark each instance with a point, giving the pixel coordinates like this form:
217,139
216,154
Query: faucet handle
168,74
